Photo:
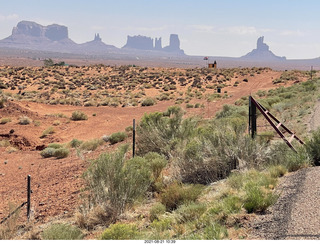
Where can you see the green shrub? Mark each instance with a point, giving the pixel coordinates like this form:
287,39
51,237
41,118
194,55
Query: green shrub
62,232
190,211
61,153
232,111
283,155
47,152
36,123
117,137
120,232
119,181
157,210
277,171
214,231
2,102
78,115
156,162
235,180
162,132
162,225
231,204
24,120
56,123
5,120
296,161
313,147
55,145
257,199
91,145
55,151
90,217
48,131
177,194
148,102
5,143
75,143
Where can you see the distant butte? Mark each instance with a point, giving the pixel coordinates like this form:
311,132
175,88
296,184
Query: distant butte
96,46
262,53
30,35
147,43
36,42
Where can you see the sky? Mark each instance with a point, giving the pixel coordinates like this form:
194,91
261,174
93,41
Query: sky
227,28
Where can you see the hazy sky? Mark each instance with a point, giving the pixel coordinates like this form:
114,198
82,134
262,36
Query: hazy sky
205,27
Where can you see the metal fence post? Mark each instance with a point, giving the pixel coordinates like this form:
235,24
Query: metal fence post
28,197
133,138
252,118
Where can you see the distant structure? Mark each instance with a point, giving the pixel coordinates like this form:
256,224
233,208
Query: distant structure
214,65
146,43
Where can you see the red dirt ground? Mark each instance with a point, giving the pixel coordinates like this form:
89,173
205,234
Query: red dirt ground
56,183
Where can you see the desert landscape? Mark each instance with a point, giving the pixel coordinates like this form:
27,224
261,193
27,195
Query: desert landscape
159,121
81,107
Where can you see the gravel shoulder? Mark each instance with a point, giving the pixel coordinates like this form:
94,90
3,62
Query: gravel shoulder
296,214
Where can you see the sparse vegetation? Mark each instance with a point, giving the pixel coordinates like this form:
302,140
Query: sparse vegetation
312,147
48,131
62,232
178,157
24,120
117,137
176,194
121,232
75,143
5,121
78,115
113,179
90,145
8,229
58,152
148,102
